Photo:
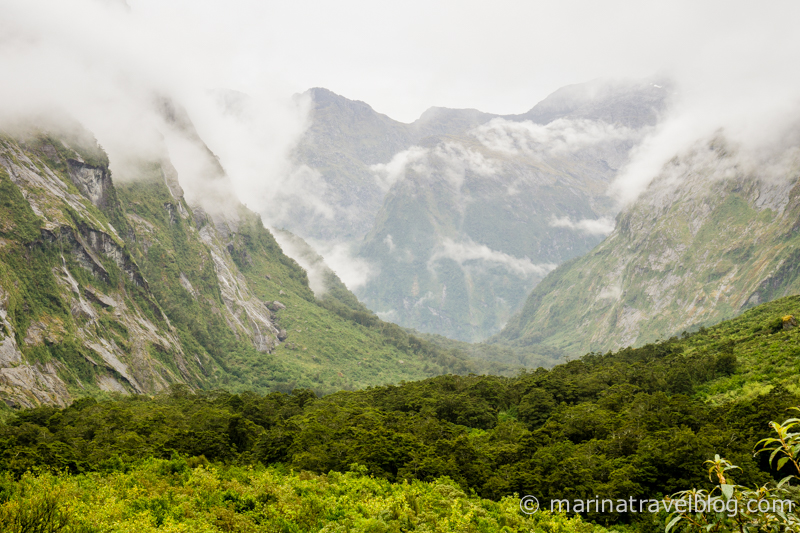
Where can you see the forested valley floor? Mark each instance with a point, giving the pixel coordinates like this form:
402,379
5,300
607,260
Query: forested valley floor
451,453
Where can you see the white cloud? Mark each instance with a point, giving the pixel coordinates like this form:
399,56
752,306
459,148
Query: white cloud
388,173
354,271
464,252
447,160
307,258
111,69
612,292
598,226
682,151
559,137
501,59
389,242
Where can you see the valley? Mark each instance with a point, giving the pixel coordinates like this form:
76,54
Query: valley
461,213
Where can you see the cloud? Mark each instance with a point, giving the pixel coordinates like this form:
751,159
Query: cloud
318,259
559,137
389,242
389,173
253,137
454,160
612,292
466,252
112,69
105,65
599,226
684,150
354,271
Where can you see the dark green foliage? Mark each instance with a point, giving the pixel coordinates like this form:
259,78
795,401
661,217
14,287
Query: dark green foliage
616,425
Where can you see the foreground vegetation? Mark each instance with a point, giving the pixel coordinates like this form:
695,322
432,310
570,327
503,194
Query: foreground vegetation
184,496
636,423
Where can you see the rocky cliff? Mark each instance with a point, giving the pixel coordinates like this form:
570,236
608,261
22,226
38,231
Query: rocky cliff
715,233
121,286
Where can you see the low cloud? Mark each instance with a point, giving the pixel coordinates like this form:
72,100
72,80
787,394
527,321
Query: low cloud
313,263
455,160
465,252
559,137
318,259
389,242
389,173
354,271
112,69
598,226
448,160
612,292
668,162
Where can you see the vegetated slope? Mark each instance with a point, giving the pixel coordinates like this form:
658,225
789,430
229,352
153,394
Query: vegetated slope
125,287
712,235
635,423
461,212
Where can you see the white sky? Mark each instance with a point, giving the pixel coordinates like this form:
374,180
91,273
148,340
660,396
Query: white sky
735,64
501,56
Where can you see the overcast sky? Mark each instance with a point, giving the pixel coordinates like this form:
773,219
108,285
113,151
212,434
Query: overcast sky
734,63
499,56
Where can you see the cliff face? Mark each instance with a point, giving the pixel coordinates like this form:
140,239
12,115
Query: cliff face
713,234
71,286
122,286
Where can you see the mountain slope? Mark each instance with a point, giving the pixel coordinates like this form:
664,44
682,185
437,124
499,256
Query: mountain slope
638,422
473,221
120,285
715,233
334,195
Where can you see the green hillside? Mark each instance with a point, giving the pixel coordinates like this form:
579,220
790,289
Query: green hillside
124,287
711,237
635,423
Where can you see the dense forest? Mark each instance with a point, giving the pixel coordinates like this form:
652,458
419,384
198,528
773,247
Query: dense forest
635,423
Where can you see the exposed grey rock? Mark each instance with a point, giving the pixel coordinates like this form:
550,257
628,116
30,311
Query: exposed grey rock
275,306
98,297
245,313
93,182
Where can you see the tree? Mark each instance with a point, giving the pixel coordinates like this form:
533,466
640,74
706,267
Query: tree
732,507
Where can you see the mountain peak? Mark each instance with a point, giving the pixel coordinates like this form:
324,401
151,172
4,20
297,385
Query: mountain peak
633,103
325,98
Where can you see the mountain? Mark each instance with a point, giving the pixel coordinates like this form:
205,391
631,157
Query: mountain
715,233
337,195
474,220
611,101
115,283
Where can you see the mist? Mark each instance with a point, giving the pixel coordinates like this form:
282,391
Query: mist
111,69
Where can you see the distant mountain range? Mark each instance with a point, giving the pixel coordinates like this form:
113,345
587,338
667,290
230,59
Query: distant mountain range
461,213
